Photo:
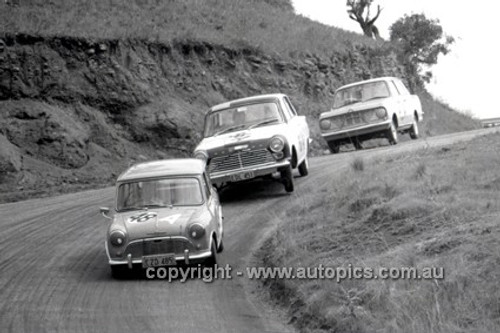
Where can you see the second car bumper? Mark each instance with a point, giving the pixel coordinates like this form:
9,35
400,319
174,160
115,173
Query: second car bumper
357,131
256,171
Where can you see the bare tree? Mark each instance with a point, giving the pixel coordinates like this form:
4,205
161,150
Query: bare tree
356,10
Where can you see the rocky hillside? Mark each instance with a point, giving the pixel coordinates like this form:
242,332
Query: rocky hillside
75,111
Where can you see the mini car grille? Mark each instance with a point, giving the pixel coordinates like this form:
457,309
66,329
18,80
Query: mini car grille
160,246
240,160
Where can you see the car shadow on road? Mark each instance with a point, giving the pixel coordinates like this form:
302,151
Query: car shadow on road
252,190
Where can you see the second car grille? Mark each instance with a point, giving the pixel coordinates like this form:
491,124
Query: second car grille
240,160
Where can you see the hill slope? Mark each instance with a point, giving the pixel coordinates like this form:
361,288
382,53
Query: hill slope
88,88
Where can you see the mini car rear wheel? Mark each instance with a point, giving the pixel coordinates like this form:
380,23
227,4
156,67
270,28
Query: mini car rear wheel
334,147
392,133
304,167
414,133
287,178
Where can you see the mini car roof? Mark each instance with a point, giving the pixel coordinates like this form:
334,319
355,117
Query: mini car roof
246,100
384,78
164,168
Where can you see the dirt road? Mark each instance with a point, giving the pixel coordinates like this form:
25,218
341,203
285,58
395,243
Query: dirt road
54,275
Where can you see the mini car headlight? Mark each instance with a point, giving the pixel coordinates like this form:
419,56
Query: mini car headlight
381,113
201,155
196,231
325,124
276,144
117,238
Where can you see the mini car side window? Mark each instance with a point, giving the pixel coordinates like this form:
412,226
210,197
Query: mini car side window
206,184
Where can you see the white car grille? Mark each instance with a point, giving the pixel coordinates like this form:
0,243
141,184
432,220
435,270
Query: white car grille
240,160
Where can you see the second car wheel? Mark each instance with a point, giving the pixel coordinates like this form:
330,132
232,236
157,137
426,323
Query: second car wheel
304,167
414,134
287,178
392,133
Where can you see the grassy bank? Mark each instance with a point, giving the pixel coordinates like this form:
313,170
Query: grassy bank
255,24
438,207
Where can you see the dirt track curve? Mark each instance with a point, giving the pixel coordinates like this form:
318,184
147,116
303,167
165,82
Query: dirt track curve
54,275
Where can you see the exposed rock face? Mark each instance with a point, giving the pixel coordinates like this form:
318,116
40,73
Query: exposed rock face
89,108
10,157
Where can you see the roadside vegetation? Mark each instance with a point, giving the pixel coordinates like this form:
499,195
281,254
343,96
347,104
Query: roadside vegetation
270,26
437,207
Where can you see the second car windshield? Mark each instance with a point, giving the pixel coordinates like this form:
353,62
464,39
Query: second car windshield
159,193
360,93
242,117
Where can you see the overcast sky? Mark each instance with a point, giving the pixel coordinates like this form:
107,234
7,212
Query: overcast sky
466,78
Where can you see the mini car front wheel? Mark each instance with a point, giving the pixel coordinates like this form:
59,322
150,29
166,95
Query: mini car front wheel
212,260
221,247
287,178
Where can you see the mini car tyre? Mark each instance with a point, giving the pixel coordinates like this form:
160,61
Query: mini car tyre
334,147
221,247
392,133
212,260
414,134
304,167
287,178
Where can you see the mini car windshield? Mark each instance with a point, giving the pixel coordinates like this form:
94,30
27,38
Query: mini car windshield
242,117
360,93
156,193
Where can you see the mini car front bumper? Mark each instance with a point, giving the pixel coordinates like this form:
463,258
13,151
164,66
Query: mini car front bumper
188,256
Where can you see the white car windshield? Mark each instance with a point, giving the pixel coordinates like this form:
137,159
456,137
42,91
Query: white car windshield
360,93
159,193
242,117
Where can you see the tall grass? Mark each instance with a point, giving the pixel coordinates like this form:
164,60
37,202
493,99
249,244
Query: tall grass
236,22
434,208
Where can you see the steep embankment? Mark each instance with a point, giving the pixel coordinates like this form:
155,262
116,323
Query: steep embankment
75,112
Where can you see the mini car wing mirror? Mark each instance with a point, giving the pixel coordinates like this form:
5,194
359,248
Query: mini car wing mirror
105,212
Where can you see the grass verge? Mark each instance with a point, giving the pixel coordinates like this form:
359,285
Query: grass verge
438,207
245,23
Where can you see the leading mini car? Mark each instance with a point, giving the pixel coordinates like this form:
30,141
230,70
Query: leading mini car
166,213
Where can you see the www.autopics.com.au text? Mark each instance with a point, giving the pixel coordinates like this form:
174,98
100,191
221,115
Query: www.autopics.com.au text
210,273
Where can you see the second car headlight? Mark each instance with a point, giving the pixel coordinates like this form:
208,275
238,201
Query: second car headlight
117,238
196,231
325,124
381,113
276,144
